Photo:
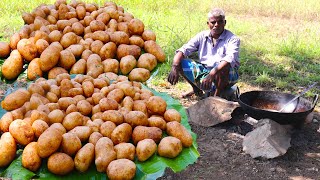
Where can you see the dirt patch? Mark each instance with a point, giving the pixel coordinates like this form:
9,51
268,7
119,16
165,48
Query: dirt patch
221,155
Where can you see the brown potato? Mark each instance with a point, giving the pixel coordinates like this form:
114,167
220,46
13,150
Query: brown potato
70,144
5,122
169,147
41,45
147,61
101,36
148,35
65,102
84,157
127,103
54,72
8,148
103,17
127,63
111,65
14,39
67,59
28,18
56,116
119,37
140,105
153,48
145,149
177,130
38,127
142,132
97,25
55,36
88,88
84,107
116,94
107,128
113,116
139,74
108,51
94,66
172,115
80,67
27,49
96,46
60,163
16,99
72,120
81,11
94,137
157,121
121,133
41,35
36,88
34,69
136,26
136,40
123,26
76,50
49,142
68,39
63,23
104,154
156,105
125,151
124,50
71,108
121,169
145,94
108,104
83,132
49,58
4,50
136,118
65,86
30,158
12,66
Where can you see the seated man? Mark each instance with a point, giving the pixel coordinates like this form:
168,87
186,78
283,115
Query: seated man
218,51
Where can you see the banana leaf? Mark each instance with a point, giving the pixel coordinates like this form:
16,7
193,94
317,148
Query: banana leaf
153,168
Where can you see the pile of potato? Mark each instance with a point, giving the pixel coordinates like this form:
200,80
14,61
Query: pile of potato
107,120
60,38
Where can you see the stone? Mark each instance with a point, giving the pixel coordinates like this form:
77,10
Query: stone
268,140
211,111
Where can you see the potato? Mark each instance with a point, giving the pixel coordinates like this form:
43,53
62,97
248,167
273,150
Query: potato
145,94
70,144
14,39
12,66
108,51
84,107
156,105
140,105
16,99
101,36
113,25
81,11
8,148
119,37
111,65
72,120
177,130
79,67
54,72
108,104
38,127
5,122
104,154
153,48
76,50
157,121
30,158
55,36
56,116
67,59
107,128
96,46
83,132
124,50
136,40
139,74
34,69
36,88
121,169
4,50
60,163
28,18
65,86
88,88
121,133
100,83
142,132
49,142
147,61
125,151
94,66
49,58
84,157
136,27
145,149
27,49
148,35
65,102
172,115
94,137
136,118
113,116
41,35
169,147
68,39
116,94
127,63
103,17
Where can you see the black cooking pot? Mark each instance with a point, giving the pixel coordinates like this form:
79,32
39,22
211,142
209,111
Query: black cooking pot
266,104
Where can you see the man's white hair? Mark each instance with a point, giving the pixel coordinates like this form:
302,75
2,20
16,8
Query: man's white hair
216,12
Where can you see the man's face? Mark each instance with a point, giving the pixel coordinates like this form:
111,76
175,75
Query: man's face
216,25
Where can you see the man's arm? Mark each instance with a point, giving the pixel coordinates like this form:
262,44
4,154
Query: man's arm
176,68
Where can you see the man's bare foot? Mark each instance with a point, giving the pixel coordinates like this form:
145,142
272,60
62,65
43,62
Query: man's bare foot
187,94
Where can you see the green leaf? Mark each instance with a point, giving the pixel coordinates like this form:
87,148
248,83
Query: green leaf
153,168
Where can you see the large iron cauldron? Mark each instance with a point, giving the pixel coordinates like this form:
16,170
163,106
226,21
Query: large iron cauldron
266,104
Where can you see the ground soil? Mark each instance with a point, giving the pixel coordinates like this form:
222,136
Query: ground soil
222,157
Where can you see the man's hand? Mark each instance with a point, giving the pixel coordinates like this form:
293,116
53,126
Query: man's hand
174,74
206,83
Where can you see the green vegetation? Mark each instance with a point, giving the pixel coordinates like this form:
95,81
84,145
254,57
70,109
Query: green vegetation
280,47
